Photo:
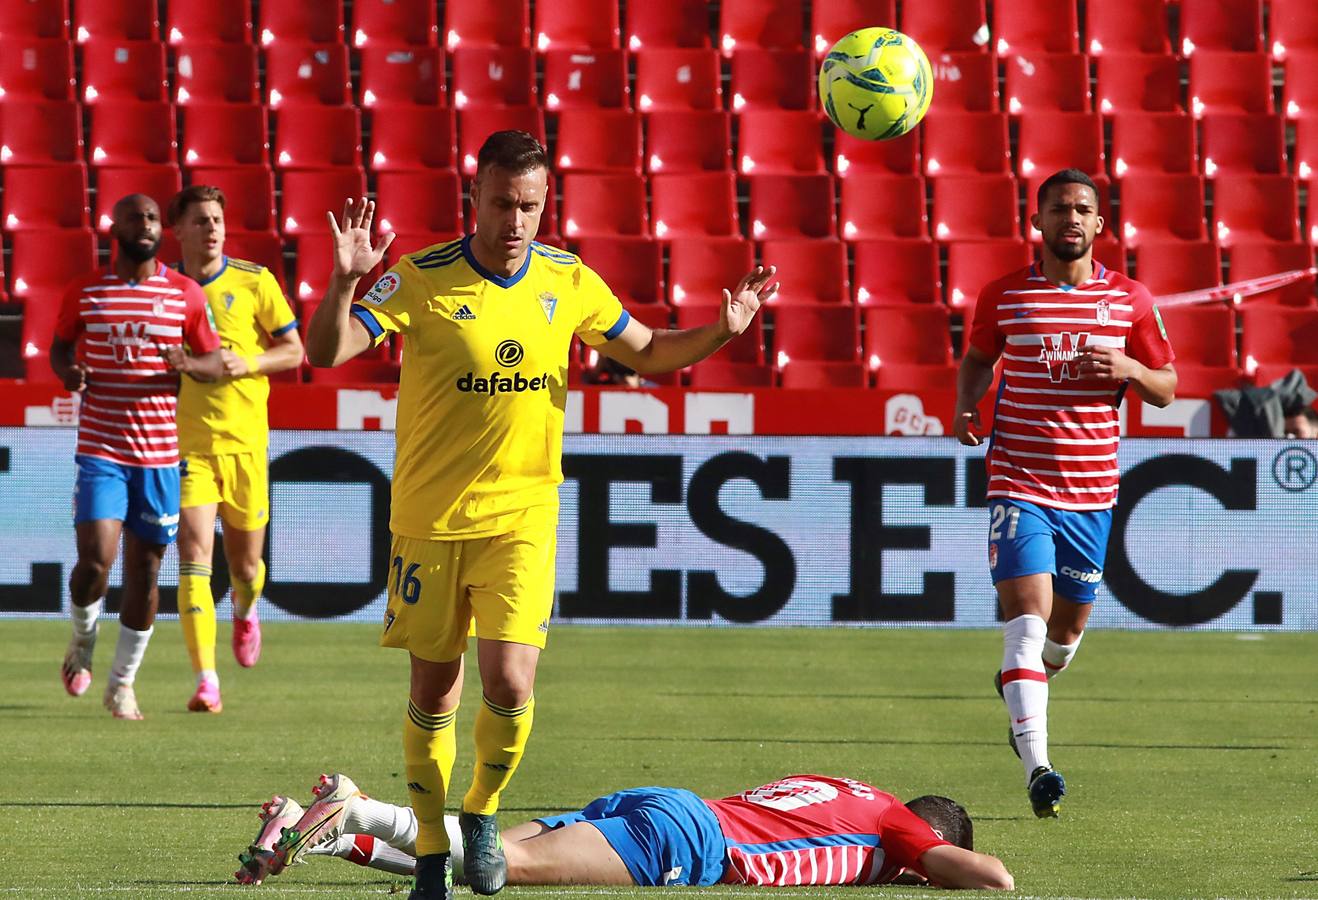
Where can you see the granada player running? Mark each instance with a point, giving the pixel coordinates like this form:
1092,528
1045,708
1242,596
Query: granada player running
801,830
223,436
1073,336
129,326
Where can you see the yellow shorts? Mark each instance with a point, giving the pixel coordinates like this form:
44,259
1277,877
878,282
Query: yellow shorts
238,482
436,588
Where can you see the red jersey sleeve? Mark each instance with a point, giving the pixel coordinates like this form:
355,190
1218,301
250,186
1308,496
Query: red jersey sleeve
985,335
1148,341
68,324
197,331
906,837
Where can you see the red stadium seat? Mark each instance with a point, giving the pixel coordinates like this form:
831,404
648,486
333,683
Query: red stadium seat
1252,208
1242,143
746,349
490,23
44,262
1300,86
975,208
45,197
314,270
963,143
361,370
973,264
577,25
585,79
37,69
1036,26
604,205
679,23
632,267
394,23
824,332
653,316
160,183
809,271
223,134
1306,151
895,273
883,207
1109,251
132,134
1050,141
249,196
475,125
1101,182
406,242
700,268
688,141
37,333
116,20
779,142
1293,27
413,137
694,205
301,23
760,23
716,374
1160,208
678,78
1221,25
123,70
318,137
598,140
896,156
35,19
419,202
1178,266
206,21
1047,82
910,335
946,25
401,75
792,206
1149,143
773,79
830,22
307,196
493,76
1203,381
37,132
1135,82
1223,82
809,374
1203,335
908,378
966,81
307,74
216,73
1254,260
1275,335
1126,26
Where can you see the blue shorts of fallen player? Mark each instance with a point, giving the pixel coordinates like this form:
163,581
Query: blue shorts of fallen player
665,836
145,499
1029,539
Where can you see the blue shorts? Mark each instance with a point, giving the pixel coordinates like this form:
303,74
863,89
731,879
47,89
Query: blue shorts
665,836
144,499
1027,539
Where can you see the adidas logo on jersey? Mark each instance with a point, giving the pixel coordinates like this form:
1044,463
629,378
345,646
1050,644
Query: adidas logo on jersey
464,314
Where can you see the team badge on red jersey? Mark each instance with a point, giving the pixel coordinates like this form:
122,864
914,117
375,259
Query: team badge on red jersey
1103,312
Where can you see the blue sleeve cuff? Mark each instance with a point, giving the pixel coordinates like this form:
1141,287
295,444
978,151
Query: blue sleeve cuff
285,330
618,326
372,327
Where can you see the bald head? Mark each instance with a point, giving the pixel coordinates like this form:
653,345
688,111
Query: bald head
135,224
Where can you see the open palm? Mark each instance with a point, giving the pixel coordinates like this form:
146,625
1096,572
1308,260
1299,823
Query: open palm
353,254
741,305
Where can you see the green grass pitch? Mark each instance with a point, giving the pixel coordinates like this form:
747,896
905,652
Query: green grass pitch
1191,758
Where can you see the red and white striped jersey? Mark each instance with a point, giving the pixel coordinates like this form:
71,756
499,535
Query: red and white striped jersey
817,829
128,408
1055,432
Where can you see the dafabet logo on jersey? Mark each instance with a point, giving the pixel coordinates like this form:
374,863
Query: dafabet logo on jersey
509,353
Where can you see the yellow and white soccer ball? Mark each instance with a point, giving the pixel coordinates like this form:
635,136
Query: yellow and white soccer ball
876,84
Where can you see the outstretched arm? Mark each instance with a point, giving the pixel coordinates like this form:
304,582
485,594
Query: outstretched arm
952,867
331,340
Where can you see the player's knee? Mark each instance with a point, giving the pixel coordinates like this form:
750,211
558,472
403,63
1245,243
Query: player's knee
508,687
245,569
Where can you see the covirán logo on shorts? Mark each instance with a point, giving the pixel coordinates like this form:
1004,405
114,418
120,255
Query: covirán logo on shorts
506,355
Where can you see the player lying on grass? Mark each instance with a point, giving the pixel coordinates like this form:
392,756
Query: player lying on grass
802,830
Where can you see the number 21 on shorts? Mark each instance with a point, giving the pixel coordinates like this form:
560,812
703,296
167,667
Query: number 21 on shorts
406,584
1000,514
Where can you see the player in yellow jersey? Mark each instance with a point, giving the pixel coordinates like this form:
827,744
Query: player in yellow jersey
223,434
487,321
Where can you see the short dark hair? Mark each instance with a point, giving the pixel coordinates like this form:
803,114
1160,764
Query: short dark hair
1066,176
947,817
512,151
193,193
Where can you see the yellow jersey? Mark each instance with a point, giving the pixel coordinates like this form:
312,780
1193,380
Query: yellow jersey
229,416
483,384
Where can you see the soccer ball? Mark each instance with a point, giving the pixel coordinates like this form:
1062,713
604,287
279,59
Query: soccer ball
876,84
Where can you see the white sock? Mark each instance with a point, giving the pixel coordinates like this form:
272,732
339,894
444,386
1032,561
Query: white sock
1057,657
395,825
366,850
454,846
1025,688
84,618
208,675
128,655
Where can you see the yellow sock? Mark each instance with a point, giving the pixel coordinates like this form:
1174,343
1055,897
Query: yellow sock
246,593
429,747
501,736
196,613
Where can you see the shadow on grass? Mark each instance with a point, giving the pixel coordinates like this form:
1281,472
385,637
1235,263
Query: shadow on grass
978,696
897,742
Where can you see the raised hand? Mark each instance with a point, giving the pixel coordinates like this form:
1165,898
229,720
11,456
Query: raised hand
741,304
353,254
